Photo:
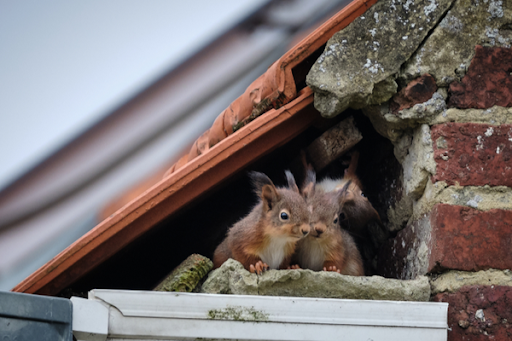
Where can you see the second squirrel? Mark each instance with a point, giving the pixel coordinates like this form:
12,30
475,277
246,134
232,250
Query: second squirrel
359,211
328,246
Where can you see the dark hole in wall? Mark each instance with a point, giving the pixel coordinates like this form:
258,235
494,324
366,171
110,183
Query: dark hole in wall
301,70
201,226
379,172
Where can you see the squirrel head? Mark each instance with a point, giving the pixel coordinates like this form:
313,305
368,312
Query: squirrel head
359,210
284,209
327,212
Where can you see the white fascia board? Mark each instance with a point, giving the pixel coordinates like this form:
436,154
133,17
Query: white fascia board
141,315
90,319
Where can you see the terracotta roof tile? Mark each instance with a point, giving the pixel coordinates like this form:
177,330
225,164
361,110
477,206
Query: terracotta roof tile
215,156
275,87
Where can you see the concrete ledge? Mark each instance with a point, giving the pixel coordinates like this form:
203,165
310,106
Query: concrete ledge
232,278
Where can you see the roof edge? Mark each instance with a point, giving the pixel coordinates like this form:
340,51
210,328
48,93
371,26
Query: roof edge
170,194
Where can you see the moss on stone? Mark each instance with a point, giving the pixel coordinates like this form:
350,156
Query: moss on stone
186,276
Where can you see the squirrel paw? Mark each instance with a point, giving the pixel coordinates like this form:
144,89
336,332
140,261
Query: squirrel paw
258,268
332,268
294,267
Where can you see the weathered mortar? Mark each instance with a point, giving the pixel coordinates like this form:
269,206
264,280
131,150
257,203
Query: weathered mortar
483,198
453,281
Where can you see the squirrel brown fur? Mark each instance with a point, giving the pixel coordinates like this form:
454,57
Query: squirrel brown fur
328,246
268,235
358,211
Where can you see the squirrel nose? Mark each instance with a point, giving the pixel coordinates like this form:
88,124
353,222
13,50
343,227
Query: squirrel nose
304,232
319,232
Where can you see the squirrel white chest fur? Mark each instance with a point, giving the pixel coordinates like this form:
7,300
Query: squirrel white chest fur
274,253
312,255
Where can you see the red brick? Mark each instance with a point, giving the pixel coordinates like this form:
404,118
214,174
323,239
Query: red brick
488,81
473,154
465,324
453,237
417,91
472,240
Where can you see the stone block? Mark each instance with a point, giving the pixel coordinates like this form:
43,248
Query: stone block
473,154
232,278
359,64
449,48
479,313
450,237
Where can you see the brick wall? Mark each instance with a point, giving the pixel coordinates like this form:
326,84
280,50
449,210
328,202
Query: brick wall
462,221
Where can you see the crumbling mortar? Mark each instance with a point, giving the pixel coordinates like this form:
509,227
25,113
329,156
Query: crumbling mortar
482,198
453,280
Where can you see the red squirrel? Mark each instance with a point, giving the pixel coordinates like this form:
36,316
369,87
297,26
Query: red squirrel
328,246
267,236
359,211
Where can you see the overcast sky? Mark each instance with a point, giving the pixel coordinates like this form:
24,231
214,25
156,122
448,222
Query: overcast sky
64,64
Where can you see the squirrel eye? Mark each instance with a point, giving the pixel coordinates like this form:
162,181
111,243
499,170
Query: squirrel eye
342,216
284,216
363,195
336,220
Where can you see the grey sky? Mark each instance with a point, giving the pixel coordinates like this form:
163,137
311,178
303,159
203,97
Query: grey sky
64,64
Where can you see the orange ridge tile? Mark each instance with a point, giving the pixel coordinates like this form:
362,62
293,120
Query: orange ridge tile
275,87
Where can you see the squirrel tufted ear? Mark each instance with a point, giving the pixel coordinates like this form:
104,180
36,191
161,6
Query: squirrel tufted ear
308,189
346,196
269,196
291,181
264,188
259,180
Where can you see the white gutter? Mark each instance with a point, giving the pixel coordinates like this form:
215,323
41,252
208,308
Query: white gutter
147,315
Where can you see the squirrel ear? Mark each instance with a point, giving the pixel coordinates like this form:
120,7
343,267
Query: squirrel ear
259,180
308,190
269,196
291,181
346,196
265,188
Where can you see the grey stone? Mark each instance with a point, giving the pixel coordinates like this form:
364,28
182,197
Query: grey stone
419,163
359,64
232,278
424,112
448,51
393,125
